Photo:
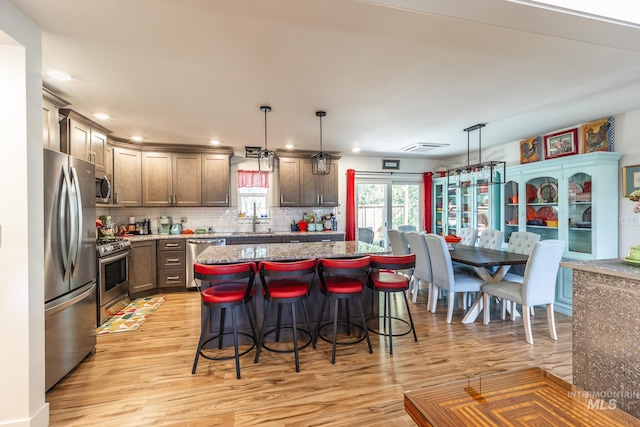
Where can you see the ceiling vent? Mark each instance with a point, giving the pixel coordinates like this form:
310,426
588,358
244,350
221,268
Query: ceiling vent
422,147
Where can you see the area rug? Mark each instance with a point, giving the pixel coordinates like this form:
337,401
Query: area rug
132,316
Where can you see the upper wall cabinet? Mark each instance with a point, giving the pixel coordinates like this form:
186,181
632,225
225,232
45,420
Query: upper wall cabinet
83,138
299,187
51,104
215,180
127,175
171,179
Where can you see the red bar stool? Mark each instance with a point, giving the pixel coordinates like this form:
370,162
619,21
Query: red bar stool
286,283
225,286
343,280
386,277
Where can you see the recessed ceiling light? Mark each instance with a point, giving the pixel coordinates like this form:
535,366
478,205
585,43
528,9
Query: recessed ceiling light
137,138
289,146
355,150
101,116
59,75
215,142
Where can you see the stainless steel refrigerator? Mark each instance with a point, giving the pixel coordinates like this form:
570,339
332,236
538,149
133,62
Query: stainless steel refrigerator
69,263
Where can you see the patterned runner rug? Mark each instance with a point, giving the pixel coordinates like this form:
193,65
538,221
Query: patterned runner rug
132,316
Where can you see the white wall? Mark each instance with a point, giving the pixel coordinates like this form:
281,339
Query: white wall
22,245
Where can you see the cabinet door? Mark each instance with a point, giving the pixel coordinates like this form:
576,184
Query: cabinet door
308,185
439,188
50,126
126,176
215,180
79,139
142,266
328,187
97,150
157,185
289,182
187,179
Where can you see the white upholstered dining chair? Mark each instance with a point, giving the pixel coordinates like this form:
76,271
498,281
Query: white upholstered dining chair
520,242
422,271
398,241
537,288
468,236
443,276
491,239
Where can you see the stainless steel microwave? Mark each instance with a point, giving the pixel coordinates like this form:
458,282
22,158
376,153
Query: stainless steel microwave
103,187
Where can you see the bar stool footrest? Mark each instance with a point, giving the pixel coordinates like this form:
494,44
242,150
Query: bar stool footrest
300,347
361,335
233,356
386,334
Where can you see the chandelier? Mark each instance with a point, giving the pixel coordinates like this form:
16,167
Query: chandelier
321,161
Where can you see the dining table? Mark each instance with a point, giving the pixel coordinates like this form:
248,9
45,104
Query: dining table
484,261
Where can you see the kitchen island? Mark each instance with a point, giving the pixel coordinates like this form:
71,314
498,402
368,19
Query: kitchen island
606,331
287,252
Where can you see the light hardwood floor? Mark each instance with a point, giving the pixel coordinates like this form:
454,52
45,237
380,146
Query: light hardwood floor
143,378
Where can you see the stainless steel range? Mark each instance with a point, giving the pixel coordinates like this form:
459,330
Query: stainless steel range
113,276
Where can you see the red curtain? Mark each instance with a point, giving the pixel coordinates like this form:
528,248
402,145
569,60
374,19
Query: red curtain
253,179
350,228
427,181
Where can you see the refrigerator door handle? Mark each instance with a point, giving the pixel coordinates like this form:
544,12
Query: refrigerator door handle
68,302
76,219
65,244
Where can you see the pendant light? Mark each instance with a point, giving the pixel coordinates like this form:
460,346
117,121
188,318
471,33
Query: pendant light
266,158
492,172
321,162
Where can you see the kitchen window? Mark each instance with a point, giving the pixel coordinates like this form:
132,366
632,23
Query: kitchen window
253,190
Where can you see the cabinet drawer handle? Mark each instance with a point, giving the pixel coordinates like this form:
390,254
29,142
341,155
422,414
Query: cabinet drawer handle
172,245
325,240
281,200
173,259
226,200
321,199
173,277
116,198
294,241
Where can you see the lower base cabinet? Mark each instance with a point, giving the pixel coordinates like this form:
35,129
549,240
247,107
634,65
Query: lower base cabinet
172,258
142,267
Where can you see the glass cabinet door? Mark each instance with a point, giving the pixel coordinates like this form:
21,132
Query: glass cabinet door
465,204
452,210
542,211
482,204
579,195
439,217
511,211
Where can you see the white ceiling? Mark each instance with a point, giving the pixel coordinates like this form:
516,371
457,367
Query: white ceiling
389,73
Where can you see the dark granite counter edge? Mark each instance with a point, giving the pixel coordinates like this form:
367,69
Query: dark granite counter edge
611,267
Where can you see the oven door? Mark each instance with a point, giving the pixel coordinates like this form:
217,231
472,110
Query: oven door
103,187
113,277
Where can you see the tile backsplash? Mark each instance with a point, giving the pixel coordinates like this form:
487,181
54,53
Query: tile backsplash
221,219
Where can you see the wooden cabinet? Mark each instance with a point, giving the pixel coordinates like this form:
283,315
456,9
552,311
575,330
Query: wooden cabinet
251,240
171,179
83,138
142,266
127,176
51,104
321,237
171,263
289,181
574,199
215,180
299,187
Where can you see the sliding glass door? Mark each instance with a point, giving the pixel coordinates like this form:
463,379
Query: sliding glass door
384,204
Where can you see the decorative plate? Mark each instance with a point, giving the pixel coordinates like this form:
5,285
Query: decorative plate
531,193
547,192
631,261
586,215
531,213
575,188
546,212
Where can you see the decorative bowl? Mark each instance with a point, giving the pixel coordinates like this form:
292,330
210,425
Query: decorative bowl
634,253
452,239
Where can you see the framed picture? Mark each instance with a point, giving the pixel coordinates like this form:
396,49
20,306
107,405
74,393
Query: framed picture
529,150
561,144
390,164
630,179
597,135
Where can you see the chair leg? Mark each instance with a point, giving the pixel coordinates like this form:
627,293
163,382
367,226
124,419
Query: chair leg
223,315
435,298
429,296
552,322
406,302
306,316
235,341
416,288
278,323
247,308
532,312
387,315
487,316
335,332
526,316
450,300
513,311
504,309
264,330
295,335
364,327
203,327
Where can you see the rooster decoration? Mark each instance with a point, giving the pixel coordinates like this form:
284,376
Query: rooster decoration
596,140
529,150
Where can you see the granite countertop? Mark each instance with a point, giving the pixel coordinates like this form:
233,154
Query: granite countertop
611,267
230,234
286,251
